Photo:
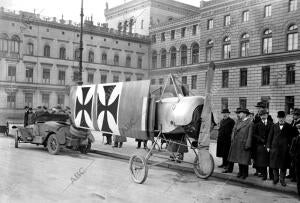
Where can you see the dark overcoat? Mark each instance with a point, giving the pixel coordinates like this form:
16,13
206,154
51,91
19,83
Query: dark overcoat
224,137
279,143
259,140
241,142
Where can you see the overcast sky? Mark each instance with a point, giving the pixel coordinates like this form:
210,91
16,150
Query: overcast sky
69,8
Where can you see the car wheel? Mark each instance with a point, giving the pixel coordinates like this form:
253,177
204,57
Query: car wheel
16,141
53,145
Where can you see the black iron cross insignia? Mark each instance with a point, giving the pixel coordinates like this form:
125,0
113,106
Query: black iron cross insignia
112,108
83,107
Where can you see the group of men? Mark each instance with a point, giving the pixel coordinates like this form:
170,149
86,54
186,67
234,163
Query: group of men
272,147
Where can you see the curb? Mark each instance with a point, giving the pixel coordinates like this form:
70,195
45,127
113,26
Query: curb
249,182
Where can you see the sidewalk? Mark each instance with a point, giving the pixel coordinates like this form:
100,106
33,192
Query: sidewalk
129,148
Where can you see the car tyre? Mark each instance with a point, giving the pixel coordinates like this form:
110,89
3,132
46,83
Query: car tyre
53,145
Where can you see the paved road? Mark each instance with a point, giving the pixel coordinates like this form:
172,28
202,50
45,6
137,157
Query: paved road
30,174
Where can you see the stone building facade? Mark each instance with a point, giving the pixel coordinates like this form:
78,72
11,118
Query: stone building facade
39,60
254,44
138,15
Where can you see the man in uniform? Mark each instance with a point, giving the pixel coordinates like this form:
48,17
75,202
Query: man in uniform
295,153
224,137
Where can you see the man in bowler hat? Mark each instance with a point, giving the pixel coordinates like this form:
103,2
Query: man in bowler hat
279,141
224,137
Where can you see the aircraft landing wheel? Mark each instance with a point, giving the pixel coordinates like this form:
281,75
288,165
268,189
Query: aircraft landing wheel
16,141
205,167
138,169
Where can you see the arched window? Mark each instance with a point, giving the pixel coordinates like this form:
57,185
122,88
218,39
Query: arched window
195,53
209,49
104,58
163,58
128,61
47,50
292,38
62,53
15,44
267,41
154,59
173,54
116,60
245,45
183,55
3,42
30,49
226,48
77,54
91,57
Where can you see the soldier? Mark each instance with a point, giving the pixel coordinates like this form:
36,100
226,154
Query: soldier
295,153
261,131
26,116
224,137
241,143
278,144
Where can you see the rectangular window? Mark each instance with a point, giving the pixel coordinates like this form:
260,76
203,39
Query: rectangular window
194,82
289,103
127,78
226,20
290,74
103,78
11,73
227,51
139,62
265,75
46,76
266,100
243,77
61,100
224,103
61,77
153,81
172,34
243,102
161,81
245,16
29,99
225,78
153,38
29,74
268,11
183,31
162,38
115,78
90,78
195,27
292,5
139,77
75,76
184,80
45,100
245,49
11,100
210,24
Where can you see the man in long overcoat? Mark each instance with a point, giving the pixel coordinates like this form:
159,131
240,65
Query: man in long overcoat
241,143
279,141
261,131
224,137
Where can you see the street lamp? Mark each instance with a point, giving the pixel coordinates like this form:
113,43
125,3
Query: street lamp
80,46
